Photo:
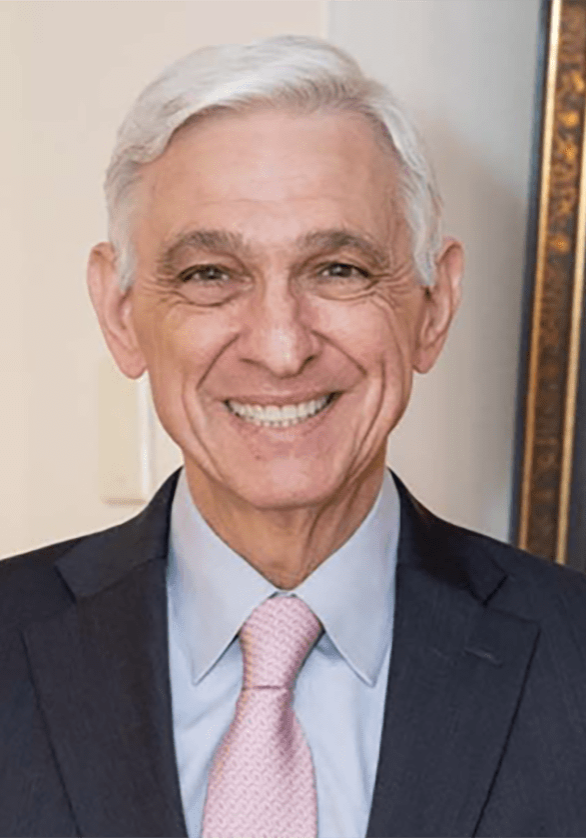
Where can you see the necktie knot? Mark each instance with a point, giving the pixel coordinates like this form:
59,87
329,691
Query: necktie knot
275,641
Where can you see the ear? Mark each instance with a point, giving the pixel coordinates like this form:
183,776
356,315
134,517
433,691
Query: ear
114,310
441,303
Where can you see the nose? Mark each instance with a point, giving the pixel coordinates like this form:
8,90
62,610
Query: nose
278,334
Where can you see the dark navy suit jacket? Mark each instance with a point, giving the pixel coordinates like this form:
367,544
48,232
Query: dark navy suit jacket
485,722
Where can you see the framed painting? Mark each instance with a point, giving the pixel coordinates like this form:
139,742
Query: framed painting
549,508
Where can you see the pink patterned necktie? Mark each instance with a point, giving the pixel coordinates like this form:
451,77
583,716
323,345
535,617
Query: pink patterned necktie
261,783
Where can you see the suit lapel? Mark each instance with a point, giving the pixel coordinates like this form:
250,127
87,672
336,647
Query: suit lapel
457,672
107,702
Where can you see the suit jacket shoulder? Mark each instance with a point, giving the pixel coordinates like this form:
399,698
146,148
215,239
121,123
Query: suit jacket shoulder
488,568
35,583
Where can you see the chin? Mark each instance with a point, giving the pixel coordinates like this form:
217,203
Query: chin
284,488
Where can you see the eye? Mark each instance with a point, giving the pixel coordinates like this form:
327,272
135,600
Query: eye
211,285
341,280
204,274
343,270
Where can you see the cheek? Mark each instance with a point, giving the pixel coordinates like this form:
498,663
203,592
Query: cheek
179,341
374,334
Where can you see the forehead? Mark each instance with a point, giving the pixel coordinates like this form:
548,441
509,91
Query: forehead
270,168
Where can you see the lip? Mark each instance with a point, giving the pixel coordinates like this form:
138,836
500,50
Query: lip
304,426
281,400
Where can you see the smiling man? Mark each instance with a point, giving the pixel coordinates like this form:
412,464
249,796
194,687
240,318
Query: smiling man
277,309
284,643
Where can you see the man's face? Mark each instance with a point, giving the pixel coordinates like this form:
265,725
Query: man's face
275,303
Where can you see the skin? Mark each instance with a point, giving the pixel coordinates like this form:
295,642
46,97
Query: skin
274,267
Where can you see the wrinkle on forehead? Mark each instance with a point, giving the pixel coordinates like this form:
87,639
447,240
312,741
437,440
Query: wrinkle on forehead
242,161
263,124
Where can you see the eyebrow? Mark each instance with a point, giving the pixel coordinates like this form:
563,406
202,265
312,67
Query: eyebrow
223,241
338,239
210,241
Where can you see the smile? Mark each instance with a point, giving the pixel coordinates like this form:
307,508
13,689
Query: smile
272,416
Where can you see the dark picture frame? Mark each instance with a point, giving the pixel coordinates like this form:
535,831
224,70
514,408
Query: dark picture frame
549,497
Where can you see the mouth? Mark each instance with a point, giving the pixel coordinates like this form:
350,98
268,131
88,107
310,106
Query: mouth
283,416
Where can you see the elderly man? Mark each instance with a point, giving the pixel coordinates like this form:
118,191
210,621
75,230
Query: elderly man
284,643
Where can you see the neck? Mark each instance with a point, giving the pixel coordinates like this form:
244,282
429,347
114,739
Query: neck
286,545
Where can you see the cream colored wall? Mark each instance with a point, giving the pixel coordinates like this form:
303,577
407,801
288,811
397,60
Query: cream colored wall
68,72
466,69
13,342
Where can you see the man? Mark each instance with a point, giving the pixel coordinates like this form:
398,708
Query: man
275,265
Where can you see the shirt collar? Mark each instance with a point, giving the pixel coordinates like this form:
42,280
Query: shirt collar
212,590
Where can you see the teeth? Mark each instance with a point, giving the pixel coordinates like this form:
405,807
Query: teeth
273,416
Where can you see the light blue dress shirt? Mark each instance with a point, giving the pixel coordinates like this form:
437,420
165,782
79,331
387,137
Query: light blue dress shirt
340,690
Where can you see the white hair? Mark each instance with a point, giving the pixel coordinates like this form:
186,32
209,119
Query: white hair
291,72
